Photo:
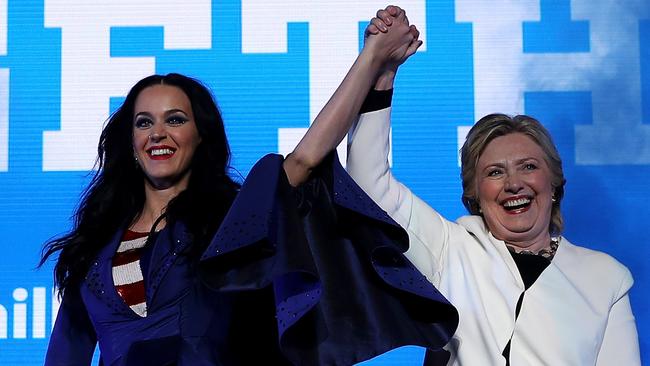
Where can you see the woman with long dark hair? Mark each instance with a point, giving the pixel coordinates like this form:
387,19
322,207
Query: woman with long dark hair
163,159
117,196
170,262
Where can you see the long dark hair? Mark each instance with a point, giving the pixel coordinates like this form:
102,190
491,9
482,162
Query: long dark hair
115,196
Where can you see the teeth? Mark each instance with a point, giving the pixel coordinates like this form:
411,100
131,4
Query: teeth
517,202
157,152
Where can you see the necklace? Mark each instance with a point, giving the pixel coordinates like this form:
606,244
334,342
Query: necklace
547,253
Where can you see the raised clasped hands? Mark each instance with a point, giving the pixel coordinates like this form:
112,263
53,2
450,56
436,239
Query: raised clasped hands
390,38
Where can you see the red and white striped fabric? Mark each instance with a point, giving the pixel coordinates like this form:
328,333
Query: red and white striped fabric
127,273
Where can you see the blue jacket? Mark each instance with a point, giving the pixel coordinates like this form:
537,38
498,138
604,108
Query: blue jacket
308,276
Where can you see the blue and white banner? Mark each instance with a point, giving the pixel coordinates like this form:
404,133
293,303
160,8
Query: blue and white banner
582,67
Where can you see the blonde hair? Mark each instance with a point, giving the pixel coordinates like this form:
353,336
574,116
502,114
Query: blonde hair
495,125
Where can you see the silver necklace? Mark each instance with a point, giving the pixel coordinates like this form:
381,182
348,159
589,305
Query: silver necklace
547,253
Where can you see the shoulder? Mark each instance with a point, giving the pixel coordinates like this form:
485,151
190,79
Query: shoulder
262,178
474,226
268,161
598,268
576,254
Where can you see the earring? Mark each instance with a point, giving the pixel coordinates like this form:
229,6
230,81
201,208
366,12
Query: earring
553,199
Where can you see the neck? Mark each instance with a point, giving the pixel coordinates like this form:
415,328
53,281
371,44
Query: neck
534,245
155,204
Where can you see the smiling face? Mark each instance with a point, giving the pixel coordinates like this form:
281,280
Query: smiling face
515,191
165,136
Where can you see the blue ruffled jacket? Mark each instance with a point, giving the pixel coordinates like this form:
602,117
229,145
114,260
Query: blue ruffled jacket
307,276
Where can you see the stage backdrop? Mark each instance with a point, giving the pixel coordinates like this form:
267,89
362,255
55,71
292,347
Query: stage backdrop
580,66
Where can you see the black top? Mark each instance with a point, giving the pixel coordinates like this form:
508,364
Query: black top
530,267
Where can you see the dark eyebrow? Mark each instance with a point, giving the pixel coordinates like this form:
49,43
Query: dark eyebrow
146,114
172,111
167,113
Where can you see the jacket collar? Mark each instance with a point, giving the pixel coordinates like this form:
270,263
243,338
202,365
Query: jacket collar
171,241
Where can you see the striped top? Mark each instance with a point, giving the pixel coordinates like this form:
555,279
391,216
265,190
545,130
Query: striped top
127,272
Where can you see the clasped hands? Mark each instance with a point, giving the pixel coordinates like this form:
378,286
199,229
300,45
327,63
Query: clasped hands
390,38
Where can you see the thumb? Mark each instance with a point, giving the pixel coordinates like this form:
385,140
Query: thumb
412,48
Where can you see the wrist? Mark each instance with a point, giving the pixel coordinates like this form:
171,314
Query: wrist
385,80
374,56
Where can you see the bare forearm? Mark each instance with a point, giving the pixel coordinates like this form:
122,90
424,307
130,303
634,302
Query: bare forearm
334,120
376,65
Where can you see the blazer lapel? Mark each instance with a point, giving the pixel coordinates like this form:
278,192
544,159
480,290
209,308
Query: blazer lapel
170,243
100,277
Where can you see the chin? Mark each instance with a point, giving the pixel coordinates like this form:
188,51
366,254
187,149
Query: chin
513,231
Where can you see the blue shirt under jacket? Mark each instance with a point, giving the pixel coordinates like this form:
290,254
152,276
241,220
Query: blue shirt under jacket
306,276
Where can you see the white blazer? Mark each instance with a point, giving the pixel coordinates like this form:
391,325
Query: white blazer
576,313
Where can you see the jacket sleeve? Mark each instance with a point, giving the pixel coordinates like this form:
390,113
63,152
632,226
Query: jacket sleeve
620,344
334,261
73,338
368,164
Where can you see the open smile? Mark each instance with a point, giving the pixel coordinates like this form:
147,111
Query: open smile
161,152
516,205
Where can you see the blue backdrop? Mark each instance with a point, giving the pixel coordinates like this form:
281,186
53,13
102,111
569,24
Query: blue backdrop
582,67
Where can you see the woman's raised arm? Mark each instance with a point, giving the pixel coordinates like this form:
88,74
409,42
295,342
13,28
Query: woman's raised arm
398,42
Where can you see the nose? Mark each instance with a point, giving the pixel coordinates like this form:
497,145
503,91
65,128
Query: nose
513,183
158,133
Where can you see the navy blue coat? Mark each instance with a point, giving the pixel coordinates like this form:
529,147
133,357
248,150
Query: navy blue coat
311,276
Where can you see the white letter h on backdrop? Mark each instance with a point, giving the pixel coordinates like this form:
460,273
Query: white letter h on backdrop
611,71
